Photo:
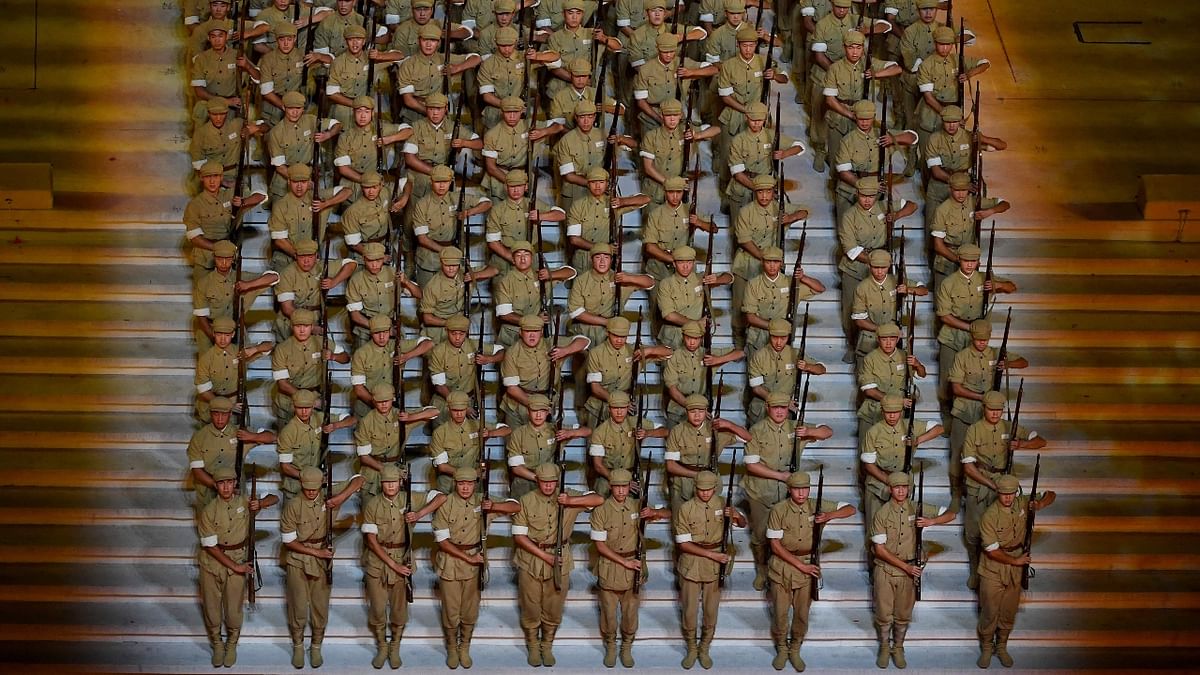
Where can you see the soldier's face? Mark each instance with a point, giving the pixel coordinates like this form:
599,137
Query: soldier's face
900,493
691,343
311,495
864,124
666,57
211,183
223,264
684,267
992,416
344,7
383,405
601,263
746,49
778,342
391,488
225,488
515,192
217,39
220,418
531,338
580,82
879,273
597,187
218,118
458,415
538,417
354,45
617,341
674,197
799,495
866,201
841,12
457,337
292,114
854,53
888,344
547,487
504,19
304,414
441,187
464,488
219,10
282,4
1006,500
968,266
696,416
764,196
380,337
778,413
362,116
706,495
943,50
756,125
436,114
772,267
618,414
951,127
671,120
285,44
223,339
655,16
927,15
522,260
428,45
620,492
374,266
506,50
573,17
371,192
734,18
302,331
892,418
979,345
585,122
959,196
450,271
511,117
422,14
306,262
298,187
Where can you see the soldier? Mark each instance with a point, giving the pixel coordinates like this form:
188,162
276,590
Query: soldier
368,219
543,552
938,78
610,367
768,296
660,77
529,367
453,363
561,117
697,525
615,526
347,82
293,215
775,367
213,446
372,290
1006,552
757,227
570,40
209,216
197,12
225,534
437,223
862,229
455,444
442,296
433,143
641,42
915,45
290,142
767,457
985,456
506,145
380,435
298,362
690,449
551,14
955,221
684,373
825,42
513,218
263,33
579,155
882,451
405,34
299,441
893,536
458,526
533,444
387,522
420,75
594,294
331,38
220,139
680,297
670,226
844,85
883,372
373,363
875,298
503,76
214,71
751,154
588,220
739,83
358,144
308,558
791,529
217,368
949,150
858,157
613,443
662,149
302,283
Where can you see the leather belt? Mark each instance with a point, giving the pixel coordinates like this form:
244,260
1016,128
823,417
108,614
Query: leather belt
546,547
390,459
314,540
234,547
388,545
1010,549
798,552
693,467
627,554
712,546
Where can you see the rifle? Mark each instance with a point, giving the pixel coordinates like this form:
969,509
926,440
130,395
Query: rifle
779,213
911,416
599,100
1009,451
308,47
560,458
452,152
328,460
950,13
919,551
521,46
239,320
883,131
408,530
637,444
801,395
637,344
987,275
902,278
610,149
316,156
770,62
777,163
976,171
998,374
687,144
379,165
617,235
255,581
707,313
550,388
371,30
962,59
727,528
794,290
814,556
714,450
1027,572
866,85
485,471
446,58
640,550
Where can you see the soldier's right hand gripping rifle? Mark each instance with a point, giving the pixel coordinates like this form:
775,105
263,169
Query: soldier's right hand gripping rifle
562,543
814,556
254,583
644,499
919,548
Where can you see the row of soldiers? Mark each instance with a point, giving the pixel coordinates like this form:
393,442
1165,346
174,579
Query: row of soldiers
389,190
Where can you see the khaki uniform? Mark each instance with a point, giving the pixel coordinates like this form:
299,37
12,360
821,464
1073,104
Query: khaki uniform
743,82
368,220
692,447
289,143
569,45
939,75
916,46
442,297
502,77
300,364
209,449
299,444
686,372
209,216
667,226
371,366
771,446
508,222
517,293
431,144
954,224
758,224
453,367
750,153
225,525
953,154
550,14
616,444
769,299
291,219
587,217
562,105
357,149
421,76
826,38
858,231
386,589
328,39
616,524
612,369
885,373
791,589
279,73
579,153
985,446
973,370
508,147
456,445
875,302
883,446
397,12
307,592
529,446
215,72
381,437
962,297
436,218
894,527
665,149
218,145
302,288
700,523
1000,584
372,295
216,371
774,370
541,604
595,293
858,153
458,521
655,82
348,77
679,294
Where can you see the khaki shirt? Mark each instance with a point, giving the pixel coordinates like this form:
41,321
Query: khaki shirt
883,446
305,520
655,82
211,448
962,297
380,437
384,518
443,298
517,293
209,216
458,521
538,520
750,153
217,371
289,143
954,224
279,72
612,369
774,370
348,74
579,153
685,371
299,444
667,226
372,365
700,523
771,445
299,363
939,75
569,45
616,524
859,153
679,294
431,144
895,527
844,81
502,77
529,446
357,147
453,367
974,370
328,39
1003,528
421,75
860,231
372,294
769,299
302,288
550,14
595,293
456,445
758,224
883,372
224,523
986,446
509,147
436,218
952,153
743,82
793,526
562,105
616,444
826,38
691,446
219,145
587,217
216,72
367,220
665,149
526,367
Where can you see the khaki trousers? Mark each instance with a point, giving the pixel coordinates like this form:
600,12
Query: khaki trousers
540,604
307,598
460,603
628,602
693,593
894,598
384,601
221,597
783,599
998,604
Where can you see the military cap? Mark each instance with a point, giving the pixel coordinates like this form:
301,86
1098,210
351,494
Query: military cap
675,184
504,7
522,245
800,479
293,99
299,172
927,4
422,3
436,100
217,104
994,400
618,399
764,182
756,111
223,324
601,249
671,106
531,322
441,173
981,329
573,5
735,6
224,249
284,29
959,181
430,31
370,179
364,102
223,25
451,254
383,392
864,109
213,2
389,474
666,42
899,478
380,323
853,37
581,67
458,400
706,480
547,472
969,252
779,327
516,177
892,403
684,253
512,104
619,477
889,329
952,113
944,35
655,4
1007,485
458,322
303,317
879,258
211,168
841,3
618,325
506,35
539,402
374,251
220,404
310,478
597,174
776,399
693,329
224,473
745,32
695,401
304,398
585,107
354,31
306,247
466,474
772,253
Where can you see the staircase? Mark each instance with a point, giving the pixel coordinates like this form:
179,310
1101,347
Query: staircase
98,545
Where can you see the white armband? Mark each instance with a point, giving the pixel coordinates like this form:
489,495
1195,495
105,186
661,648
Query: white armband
844,167
596,450
575,230
752,459
925,87
829,91
520,530
286,458
438,379
354,306
594,377
854,252
820,47
344,160
286,296
370,528
206,386
737,168
280,374
992,547
209,541
511,381
516,460
641,94
287,537
197,464
353,238
567,168
671,455
201,311
868,386
774,534
683,538
868,457
441,458
756,381
441,535
504,308
860,315
597,535
725,91
880,538
364,449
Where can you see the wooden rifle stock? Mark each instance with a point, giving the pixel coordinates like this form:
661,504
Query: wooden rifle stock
727,528
919,551
255,580
1009,451
794,289
814,556
714,448
962,60
1027,572
1002,354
